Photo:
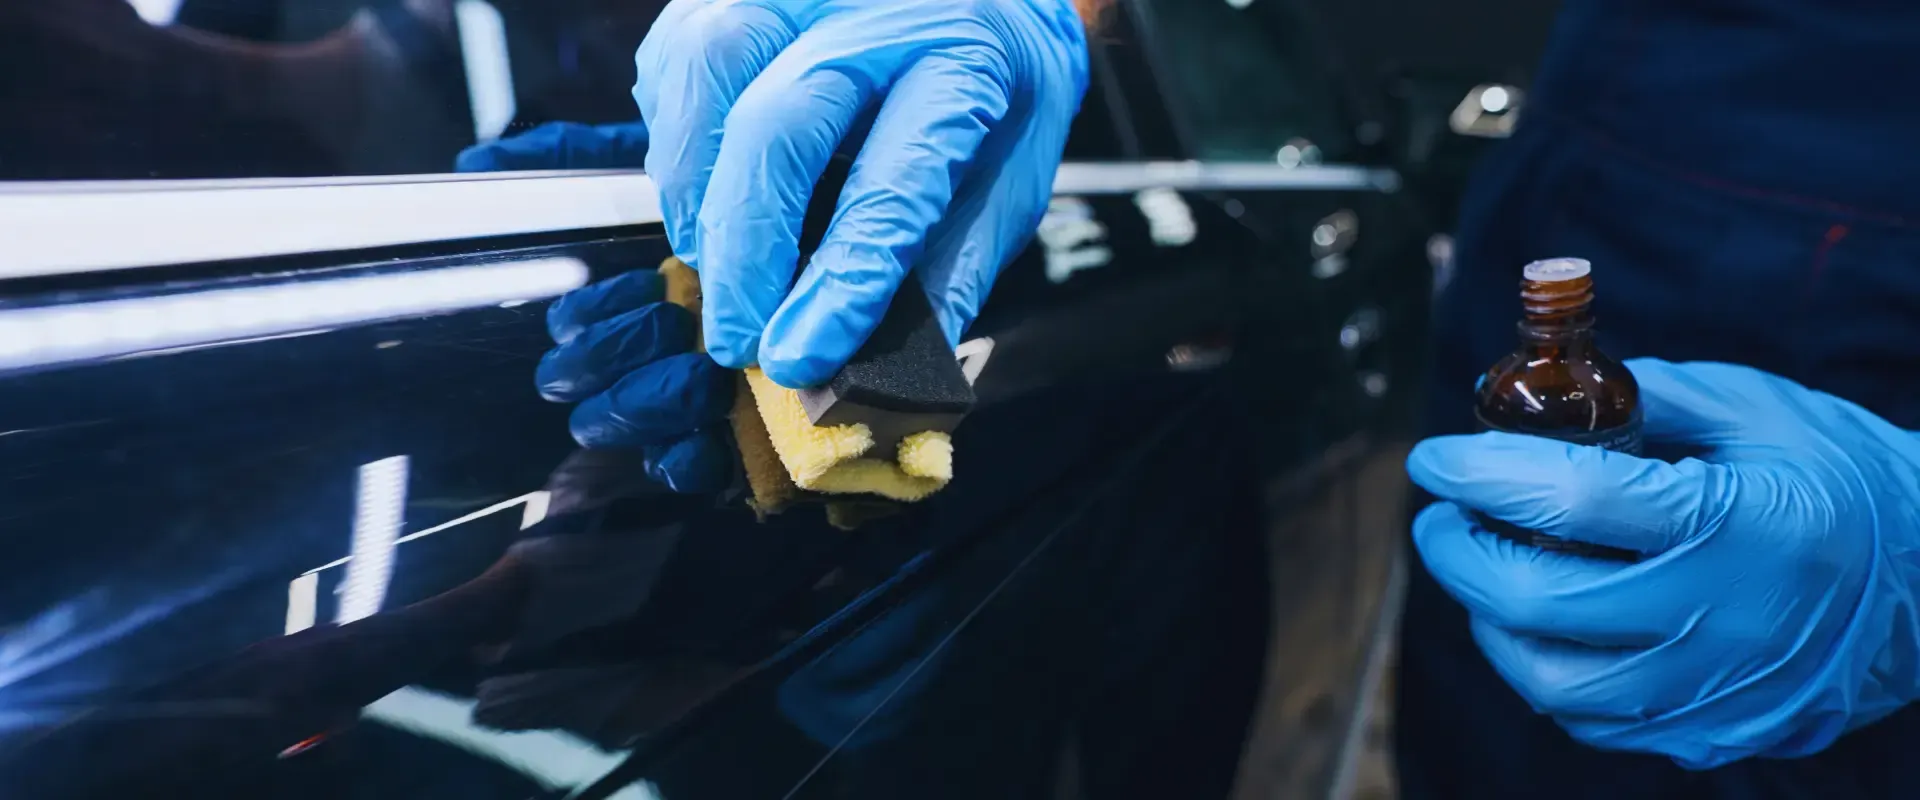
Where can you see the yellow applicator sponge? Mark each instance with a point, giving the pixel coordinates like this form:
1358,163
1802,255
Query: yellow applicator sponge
879,431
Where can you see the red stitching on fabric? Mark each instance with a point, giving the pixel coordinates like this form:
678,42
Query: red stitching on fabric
1833,237
1754,192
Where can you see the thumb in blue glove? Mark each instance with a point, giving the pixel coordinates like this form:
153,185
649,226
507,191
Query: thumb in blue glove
1775,608
968,105
628,359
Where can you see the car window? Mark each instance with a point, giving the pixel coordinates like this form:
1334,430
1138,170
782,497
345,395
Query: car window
128,89
1096,135
1243,87
167,89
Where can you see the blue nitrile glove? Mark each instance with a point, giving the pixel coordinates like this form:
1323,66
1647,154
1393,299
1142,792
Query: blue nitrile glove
1775,609
627,357
969,105
560,145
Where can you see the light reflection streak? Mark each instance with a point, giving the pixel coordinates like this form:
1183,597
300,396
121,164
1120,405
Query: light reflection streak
66,631
109,329
527,520
555,759
379,514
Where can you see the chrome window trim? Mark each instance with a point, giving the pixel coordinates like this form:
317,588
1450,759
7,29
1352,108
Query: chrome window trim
57,228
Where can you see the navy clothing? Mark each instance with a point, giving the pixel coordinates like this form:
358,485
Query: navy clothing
1806,101
1745,197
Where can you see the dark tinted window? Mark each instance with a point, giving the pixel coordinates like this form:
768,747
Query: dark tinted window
123,89
95,89
1096,135
1242,86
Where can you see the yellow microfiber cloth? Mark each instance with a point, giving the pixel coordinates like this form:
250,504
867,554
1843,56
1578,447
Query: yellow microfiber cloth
788,459
839,459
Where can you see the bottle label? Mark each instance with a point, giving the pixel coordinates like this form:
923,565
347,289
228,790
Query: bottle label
1620,439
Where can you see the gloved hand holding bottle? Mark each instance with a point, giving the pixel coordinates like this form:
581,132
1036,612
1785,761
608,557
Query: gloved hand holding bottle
959,113
1774,609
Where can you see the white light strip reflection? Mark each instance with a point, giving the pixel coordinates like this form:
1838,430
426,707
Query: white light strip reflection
58,227
531,499
35,337
303,602
536,509
303,591
1121,178
483,49
379,512
972,355
156,12
555,760
496,508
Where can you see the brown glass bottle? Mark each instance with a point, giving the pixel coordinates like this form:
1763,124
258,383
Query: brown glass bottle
1558,384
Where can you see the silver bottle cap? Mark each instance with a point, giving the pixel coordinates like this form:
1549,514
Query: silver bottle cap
1557,269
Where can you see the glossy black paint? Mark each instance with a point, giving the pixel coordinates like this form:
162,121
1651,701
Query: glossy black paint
158,507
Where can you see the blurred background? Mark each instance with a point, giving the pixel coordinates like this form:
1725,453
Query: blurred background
124,506
119,89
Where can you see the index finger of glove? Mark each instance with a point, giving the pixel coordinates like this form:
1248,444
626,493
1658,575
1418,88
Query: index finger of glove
1525,589
1690,404
581,308
697,464
591,362
656,404
922,145
713,55
1570,491
991,219
667,27
779,141
1726,411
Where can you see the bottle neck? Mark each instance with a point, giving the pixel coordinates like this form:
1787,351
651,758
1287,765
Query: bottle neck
1568,333
1557,313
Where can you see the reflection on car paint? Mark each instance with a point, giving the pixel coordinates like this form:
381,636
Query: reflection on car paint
1169,220
69,332
1073,238
175,510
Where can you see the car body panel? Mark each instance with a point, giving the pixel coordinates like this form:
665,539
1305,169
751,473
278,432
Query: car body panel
185,519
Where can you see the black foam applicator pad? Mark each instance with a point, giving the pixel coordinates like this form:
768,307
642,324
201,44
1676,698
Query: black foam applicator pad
903,381
905,378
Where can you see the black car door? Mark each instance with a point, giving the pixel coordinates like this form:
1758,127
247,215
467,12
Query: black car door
277,485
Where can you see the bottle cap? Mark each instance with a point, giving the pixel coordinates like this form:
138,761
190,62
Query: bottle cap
1557,269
